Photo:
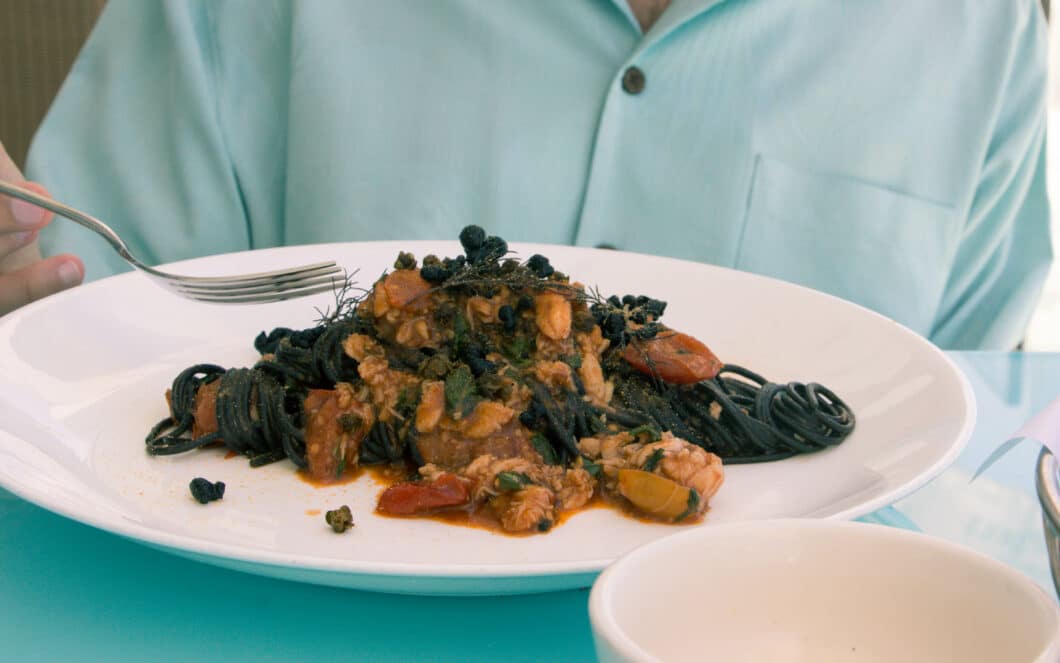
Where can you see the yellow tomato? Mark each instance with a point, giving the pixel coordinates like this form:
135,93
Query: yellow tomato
657,495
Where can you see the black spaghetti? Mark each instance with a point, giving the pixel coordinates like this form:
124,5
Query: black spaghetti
505,388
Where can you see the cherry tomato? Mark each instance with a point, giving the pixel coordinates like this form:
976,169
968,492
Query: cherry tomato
405,286
410,499
205,415
673,357
332,448
656,495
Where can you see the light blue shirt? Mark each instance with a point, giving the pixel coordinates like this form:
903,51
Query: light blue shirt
886,151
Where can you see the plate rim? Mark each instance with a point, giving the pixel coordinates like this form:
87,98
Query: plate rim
247,554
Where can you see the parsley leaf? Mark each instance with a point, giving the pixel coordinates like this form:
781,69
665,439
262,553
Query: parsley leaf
512,481
544,447
650,430
460,391
653,460
691,507
519,349
574,361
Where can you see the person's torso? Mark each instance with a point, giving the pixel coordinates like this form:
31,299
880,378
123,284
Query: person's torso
833,144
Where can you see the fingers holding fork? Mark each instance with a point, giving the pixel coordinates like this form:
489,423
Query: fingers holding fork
24,275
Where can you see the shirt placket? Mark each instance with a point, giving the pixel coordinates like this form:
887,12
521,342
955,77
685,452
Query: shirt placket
630,86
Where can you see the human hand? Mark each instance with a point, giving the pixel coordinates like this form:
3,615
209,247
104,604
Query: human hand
24,275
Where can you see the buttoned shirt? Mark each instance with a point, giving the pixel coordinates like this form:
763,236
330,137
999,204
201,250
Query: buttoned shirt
889,152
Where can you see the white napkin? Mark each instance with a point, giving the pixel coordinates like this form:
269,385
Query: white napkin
1043,428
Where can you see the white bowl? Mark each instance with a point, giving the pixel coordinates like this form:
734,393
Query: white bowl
820,591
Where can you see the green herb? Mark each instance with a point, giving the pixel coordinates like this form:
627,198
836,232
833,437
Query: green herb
574,361
340,519
596,425
347,296
406,402
692,507
651,431
491,385
543,447
461,332
349,422
653,460
519,349
544,525
583,321
460,391
340,469
405,261
445,314
435,367
594,469
512,481
482,273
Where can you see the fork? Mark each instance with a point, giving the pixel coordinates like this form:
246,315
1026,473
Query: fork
236,289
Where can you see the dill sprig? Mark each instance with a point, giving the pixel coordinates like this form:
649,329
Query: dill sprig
348,295
486,277
488,265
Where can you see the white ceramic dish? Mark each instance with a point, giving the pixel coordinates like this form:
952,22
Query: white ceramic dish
84,375
811,591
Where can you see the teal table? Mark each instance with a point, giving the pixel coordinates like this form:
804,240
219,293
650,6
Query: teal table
69,592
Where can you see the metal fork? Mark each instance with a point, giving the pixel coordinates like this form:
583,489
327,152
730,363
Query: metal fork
238,289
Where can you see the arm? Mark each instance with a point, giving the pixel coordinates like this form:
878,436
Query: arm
133,138
1005,249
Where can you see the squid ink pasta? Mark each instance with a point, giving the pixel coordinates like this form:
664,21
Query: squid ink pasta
502,389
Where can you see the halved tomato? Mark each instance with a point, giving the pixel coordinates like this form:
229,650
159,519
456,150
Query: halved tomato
673,357
404,287
416,498
658,496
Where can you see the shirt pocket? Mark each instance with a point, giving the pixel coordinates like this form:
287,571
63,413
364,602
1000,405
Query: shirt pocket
883,249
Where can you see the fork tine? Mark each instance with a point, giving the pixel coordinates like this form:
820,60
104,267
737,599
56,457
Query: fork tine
207,280
262,298
329,280
292,280
208,284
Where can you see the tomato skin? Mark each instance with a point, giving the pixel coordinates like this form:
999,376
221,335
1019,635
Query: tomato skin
411,499
655,495
331,448
673,357
404,287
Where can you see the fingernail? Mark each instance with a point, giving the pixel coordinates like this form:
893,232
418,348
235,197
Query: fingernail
27,214
69,274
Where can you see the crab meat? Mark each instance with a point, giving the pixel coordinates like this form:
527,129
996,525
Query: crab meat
553,314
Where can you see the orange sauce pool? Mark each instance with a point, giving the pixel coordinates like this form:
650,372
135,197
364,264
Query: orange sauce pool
387,475
479,518
347,477
483,518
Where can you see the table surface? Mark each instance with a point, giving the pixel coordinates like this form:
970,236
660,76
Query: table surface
70,592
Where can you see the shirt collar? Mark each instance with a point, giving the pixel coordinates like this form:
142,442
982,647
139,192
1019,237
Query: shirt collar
677,14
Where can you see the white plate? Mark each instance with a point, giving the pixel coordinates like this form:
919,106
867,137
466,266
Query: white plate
84,375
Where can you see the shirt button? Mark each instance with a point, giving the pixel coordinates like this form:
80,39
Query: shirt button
633,80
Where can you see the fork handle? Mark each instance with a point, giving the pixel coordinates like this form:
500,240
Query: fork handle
74,215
